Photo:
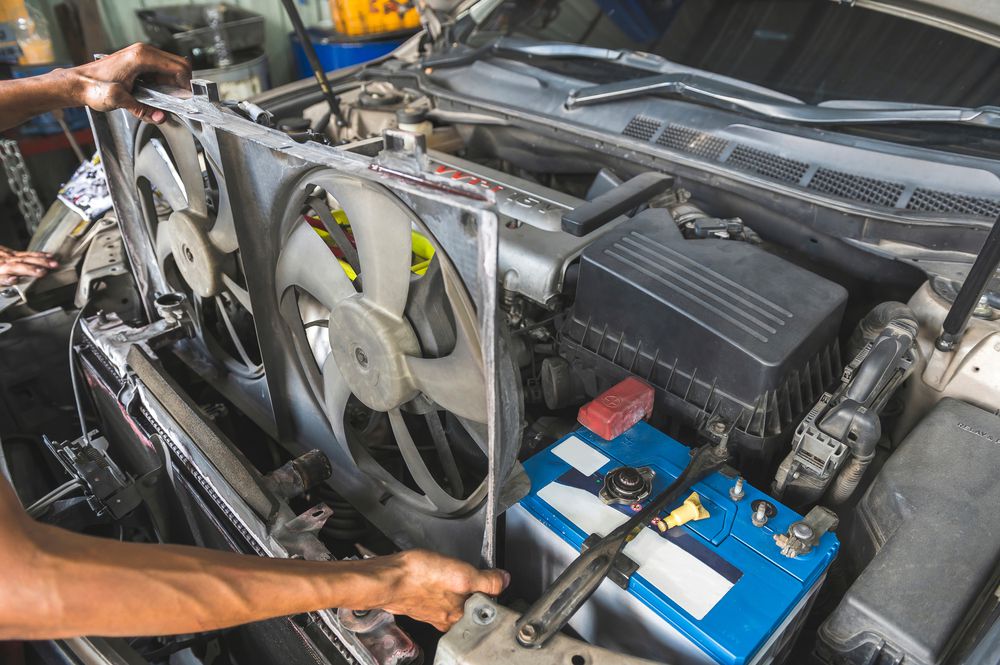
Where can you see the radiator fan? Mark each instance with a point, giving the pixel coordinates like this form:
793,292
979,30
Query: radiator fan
185,207
389,340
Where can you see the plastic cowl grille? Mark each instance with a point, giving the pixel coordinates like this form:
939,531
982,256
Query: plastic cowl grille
929,200
641,127
767,164
692,142
857,188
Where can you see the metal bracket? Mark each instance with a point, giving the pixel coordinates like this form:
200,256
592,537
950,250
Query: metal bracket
298,535
205,88
385,640
484,636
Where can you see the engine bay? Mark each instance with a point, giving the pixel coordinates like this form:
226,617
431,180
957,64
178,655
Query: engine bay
416,323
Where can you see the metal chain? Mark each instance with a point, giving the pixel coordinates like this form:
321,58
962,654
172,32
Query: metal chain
20,182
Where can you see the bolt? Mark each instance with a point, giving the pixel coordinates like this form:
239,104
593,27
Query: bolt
527,633
760,515
8,293
802,531
719,427
188,254
983,309
361,614
736,492
362,359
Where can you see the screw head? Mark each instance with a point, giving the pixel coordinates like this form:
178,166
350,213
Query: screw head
361,357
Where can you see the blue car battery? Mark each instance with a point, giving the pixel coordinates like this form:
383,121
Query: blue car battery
716,590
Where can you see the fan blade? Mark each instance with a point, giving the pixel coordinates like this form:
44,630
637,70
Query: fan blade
188,163
242,295
336,392
457,381
382,230
418,469
163,247
223,232
234,337
308,263
153,164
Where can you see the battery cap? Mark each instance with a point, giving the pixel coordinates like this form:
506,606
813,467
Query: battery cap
615,410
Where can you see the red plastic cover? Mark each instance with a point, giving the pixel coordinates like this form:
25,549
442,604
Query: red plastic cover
615,410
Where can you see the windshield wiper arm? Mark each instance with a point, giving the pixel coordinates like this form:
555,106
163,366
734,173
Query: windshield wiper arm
727,96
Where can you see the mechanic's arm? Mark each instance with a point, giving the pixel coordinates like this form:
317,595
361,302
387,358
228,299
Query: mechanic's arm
55,583
103,85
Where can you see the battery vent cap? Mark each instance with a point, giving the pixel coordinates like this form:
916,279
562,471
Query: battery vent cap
618,408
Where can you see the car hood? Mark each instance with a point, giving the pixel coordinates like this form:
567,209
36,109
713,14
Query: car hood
977,19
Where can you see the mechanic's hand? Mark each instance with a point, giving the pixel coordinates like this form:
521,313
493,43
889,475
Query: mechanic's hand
433,588
14,265
106,84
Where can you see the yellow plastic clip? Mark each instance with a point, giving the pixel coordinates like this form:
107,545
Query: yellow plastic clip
689,511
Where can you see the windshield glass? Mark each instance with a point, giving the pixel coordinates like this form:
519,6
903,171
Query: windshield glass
815,50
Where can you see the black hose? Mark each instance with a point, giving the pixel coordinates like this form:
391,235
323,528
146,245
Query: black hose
848,480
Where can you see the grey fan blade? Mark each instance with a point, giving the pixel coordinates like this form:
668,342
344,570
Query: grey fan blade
188,164
382,230
241,294
336,392
308,263
457,381
233,336
153,164
443,501
162,242
223,232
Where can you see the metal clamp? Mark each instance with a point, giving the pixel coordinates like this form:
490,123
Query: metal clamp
803,535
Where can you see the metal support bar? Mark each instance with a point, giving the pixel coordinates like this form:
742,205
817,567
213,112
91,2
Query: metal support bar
972,288
314,63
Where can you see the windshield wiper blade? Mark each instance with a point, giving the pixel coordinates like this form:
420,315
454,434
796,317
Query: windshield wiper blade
727,96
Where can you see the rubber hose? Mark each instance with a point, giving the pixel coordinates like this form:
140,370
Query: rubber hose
848,480
874,322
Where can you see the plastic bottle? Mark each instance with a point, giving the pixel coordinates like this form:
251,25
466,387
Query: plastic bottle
32,30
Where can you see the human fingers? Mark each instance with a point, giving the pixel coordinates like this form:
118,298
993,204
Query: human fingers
491,582
17,269
166,67
35,259
44,255
121,98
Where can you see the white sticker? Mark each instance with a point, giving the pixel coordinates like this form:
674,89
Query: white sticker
580,456
685,579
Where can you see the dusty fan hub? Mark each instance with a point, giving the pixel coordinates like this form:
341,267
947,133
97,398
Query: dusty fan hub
370,346
196,257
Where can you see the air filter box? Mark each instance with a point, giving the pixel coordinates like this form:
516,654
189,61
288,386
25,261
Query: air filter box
718,327
717,590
